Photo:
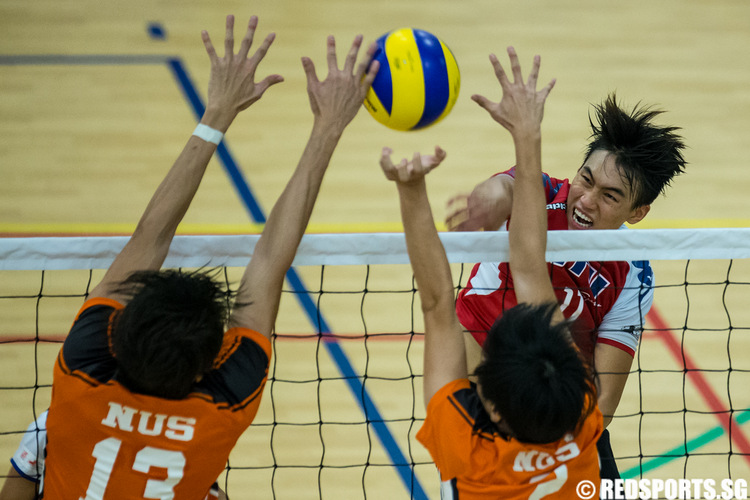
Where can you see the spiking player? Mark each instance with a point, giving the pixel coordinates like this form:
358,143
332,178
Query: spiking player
629,161
529,427
149,392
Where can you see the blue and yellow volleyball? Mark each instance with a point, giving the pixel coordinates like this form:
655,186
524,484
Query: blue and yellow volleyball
417,83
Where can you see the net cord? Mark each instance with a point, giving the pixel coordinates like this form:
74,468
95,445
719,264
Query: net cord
98,252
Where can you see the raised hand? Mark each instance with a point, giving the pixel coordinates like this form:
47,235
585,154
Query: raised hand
522,106
336,100
406,172
232,86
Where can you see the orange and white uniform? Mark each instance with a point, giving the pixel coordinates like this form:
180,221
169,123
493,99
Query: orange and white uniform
104,441
477,462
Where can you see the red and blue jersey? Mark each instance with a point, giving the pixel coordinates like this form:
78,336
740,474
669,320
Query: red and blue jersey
607,300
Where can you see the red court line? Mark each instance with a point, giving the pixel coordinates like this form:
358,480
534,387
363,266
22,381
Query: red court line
668,337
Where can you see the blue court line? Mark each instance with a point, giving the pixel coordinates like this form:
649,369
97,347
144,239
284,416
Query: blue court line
372,415
81,59
682,450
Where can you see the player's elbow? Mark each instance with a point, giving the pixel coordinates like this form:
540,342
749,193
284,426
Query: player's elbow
436,303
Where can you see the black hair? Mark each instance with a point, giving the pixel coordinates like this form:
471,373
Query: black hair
533,375
648,156
170,331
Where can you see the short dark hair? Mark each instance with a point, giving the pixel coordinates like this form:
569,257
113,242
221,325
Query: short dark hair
534,376
648,156
170,331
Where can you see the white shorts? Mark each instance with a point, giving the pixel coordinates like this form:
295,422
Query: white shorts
29,457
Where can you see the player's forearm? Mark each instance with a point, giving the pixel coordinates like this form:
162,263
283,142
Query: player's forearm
149,245
501,187
528,229
493,200
259,292
175,193
612,366
17,487
172,198
426,252
290,215
528,243
609,399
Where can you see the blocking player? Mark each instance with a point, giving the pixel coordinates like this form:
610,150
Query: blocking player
629,161
27,466
529,426
149,392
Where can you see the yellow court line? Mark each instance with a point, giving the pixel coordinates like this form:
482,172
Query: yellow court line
41,229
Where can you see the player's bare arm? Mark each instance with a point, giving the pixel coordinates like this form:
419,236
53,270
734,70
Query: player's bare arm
486,208
17,487
520,111
444,356
335,102
232,88
612,366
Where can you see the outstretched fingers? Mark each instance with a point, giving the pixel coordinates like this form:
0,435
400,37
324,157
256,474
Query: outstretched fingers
534,74
548,88
247,40
331,54
229,38
386,164
515,65
351,57
312,83
485,103
262,50
499,71
310,72
367,62
366,82
263,85
210,50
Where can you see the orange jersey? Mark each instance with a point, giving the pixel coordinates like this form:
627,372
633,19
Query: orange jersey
477,462
104,441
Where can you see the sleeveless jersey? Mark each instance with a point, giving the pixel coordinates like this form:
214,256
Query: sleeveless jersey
477,462
104,441
607,300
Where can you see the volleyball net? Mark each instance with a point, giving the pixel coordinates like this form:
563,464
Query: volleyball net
344,397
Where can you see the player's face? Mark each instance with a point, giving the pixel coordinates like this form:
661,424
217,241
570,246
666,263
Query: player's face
599,197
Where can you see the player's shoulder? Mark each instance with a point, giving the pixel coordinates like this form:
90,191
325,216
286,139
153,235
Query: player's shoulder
630,275
95,306
461,396
87,346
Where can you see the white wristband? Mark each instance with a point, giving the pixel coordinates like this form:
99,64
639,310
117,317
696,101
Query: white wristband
208,134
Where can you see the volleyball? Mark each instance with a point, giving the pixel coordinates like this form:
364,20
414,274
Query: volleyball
417,83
